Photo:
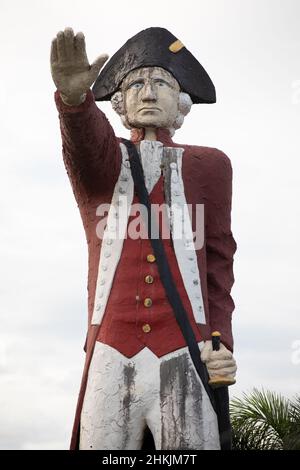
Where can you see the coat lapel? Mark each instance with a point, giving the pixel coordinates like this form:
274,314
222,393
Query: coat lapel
182,234
114,236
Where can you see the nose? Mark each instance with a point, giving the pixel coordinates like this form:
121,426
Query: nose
149,93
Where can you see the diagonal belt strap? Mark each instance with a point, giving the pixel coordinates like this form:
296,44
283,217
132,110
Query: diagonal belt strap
165,272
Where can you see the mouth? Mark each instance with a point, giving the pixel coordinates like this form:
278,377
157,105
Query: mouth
149,108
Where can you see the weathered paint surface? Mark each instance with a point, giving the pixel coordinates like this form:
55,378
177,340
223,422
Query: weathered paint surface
93,160
188,421
152,155
124,395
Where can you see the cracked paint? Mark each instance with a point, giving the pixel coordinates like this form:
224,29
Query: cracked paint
187,418
129,385
125,395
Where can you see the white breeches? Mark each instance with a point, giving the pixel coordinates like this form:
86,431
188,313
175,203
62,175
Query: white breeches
124,395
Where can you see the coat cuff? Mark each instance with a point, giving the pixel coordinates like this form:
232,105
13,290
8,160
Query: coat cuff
66,109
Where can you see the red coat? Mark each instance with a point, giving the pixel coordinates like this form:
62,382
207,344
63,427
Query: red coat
125,315
92,158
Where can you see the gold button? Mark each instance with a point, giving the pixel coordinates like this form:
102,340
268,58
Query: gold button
146,328
147,302
151,258
149,279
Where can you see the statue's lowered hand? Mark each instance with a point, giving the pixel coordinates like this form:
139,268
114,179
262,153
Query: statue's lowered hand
70,68
221,365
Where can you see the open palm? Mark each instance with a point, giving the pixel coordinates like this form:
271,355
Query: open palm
71,71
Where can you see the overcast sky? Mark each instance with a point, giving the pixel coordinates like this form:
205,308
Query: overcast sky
251,50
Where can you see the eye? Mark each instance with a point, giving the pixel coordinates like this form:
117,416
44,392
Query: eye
160,82
136,85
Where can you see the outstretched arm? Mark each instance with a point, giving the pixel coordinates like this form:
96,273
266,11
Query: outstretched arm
90,149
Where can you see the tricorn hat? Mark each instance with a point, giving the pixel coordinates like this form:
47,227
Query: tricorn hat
156,47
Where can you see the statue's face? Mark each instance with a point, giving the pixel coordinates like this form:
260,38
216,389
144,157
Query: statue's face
151,97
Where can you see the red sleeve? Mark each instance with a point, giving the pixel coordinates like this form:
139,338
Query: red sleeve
220,248
90,148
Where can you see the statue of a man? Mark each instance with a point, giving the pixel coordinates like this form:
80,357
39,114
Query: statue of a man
147,304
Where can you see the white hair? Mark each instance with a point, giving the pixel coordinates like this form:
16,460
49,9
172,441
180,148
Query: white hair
184,107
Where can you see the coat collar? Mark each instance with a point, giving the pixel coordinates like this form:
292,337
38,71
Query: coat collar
163,135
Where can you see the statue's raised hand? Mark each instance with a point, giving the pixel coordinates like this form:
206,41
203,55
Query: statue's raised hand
70,68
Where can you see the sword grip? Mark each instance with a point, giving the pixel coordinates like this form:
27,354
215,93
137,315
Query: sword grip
218,380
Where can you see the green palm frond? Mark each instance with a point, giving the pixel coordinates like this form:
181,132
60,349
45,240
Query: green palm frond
265,420
292,439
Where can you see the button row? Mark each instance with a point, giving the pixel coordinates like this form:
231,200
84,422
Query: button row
147,301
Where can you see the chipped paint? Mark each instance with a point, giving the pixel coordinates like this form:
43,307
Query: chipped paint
188,420
129,374
125,395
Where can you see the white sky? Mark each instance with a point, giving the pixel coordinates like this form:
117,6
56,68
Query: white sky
251,49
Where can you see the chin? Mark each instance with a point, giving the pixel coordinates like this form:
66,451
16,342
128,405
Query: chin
155,123
148,120
143,124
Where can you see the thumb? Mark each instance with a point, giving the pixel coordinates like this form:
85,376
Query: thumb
97,65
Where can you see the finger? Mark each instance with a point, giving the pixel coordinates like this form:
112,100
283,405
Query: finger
69,33
53,53
80,48
220,364
98,64
228,371
61,51
222,354
69,43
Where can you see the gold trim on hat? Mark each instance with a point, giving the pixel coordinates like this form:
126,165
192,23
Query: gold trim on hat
176,46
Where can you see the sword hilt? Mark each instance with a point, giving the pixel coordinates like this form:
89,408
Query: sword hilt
218,380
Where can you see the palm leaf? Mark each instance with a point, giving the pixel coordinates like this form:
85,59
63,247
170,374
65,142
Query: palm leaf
262,420
292,440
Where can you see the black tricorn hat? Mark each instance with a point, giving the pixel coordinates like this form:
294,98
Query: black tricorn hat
156,47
